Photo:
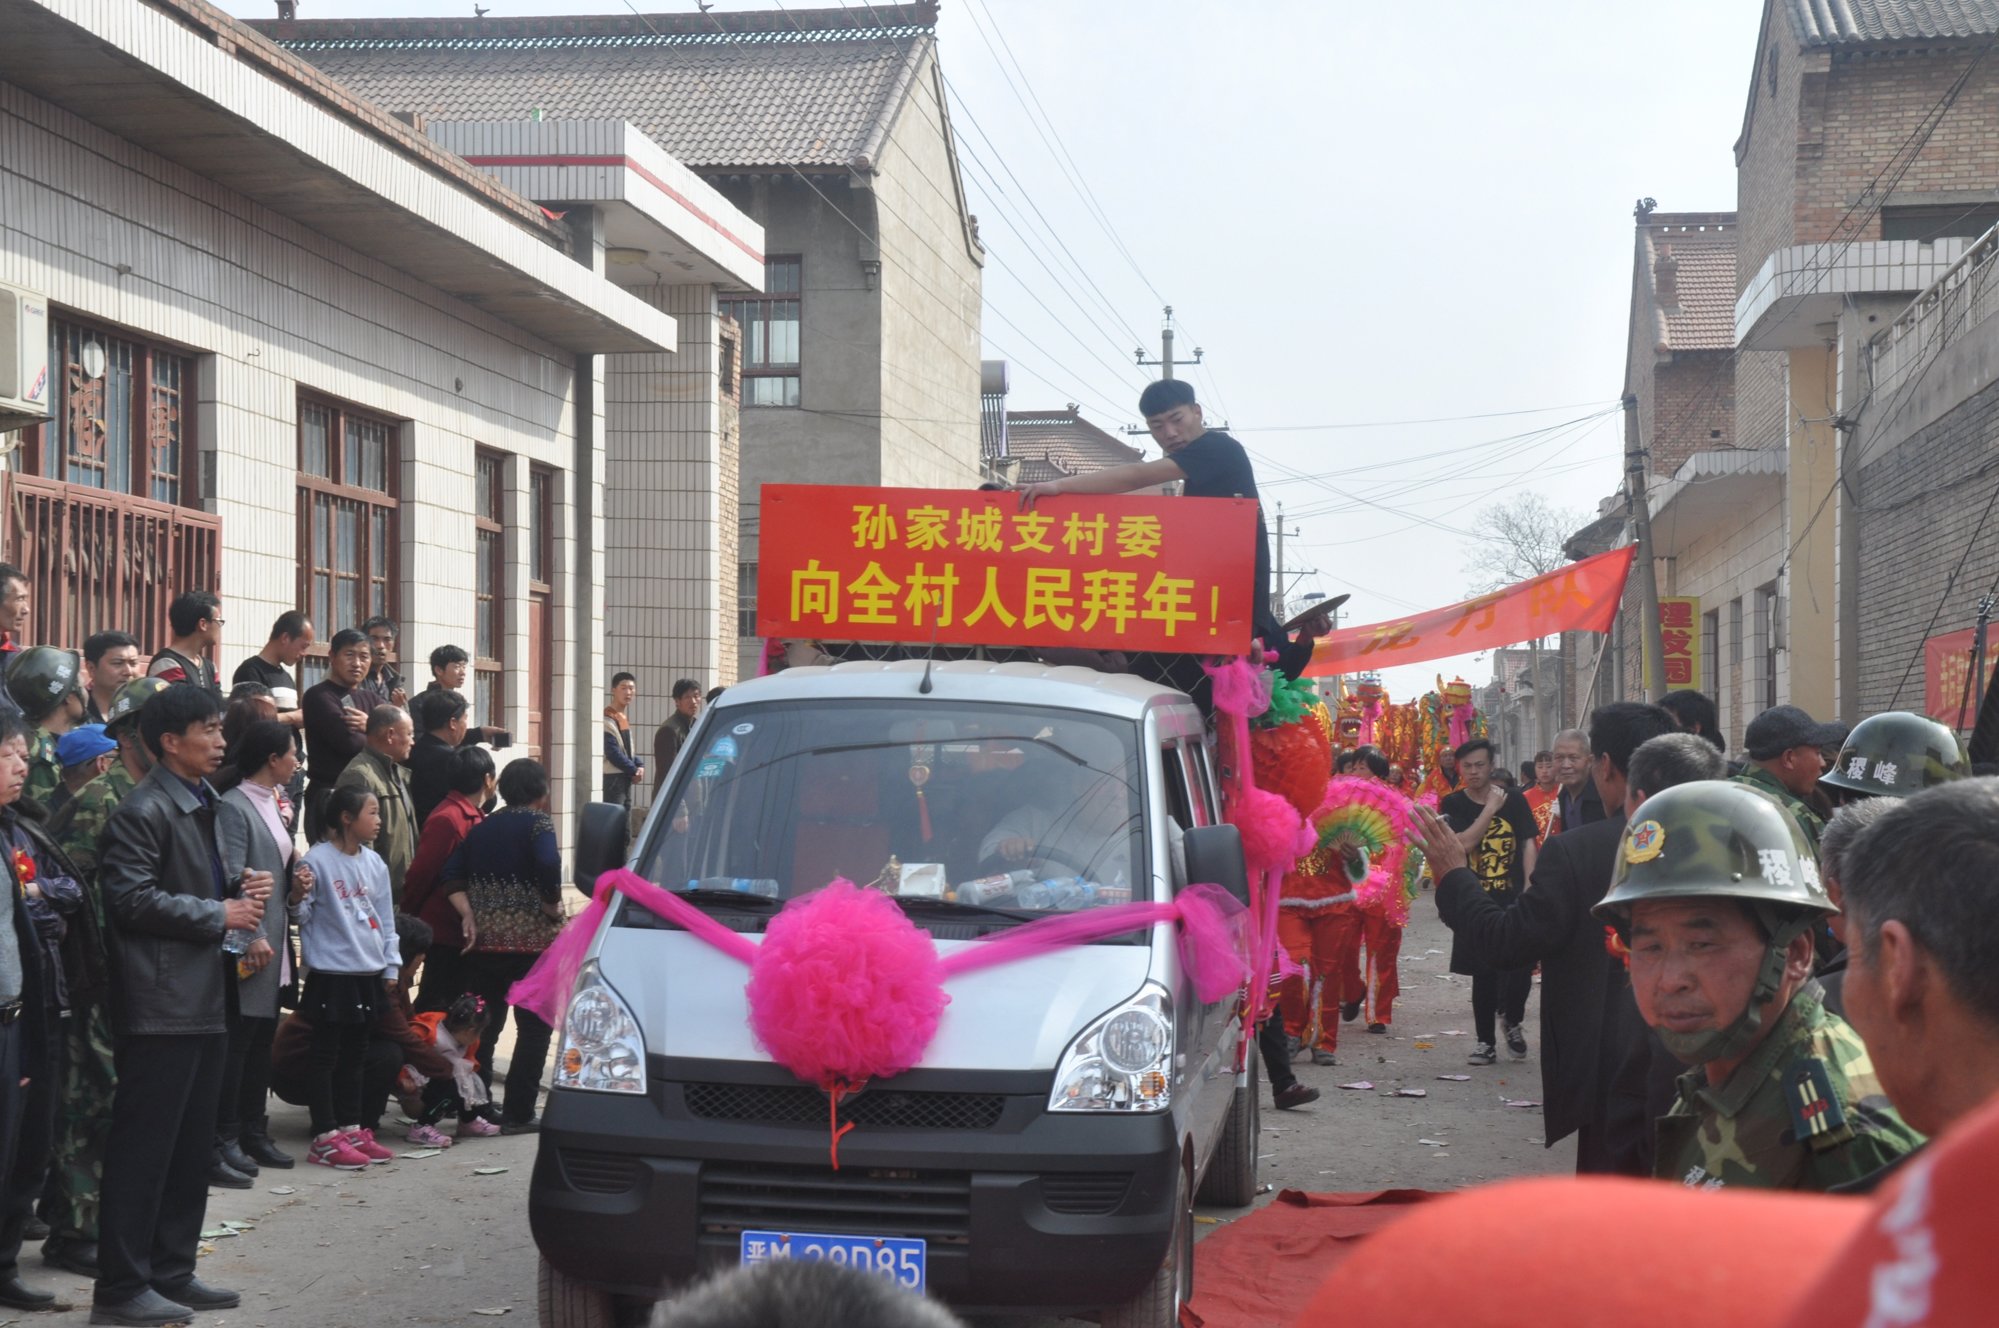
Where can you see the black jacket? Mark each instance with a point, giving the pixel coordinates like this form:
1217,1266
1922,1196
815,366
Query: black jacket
38,991
431,761
157,876
1584,991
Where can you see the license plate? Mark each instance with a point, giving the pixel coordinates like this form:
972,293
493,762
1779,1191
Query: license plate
897,1258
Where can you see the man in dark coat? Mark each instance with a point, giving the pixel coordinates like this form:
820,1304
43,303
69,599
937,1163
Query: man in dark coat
1584,991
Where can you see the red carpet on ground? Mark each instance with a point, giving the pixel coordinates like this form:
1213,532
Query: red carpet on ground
1260,1271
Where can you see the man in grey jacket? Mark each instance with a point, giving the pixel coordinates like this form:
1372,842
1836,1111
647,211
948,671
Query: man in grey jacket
171,900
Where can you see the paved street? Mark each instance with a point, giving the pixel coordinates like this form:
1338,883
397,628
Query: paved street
429,1240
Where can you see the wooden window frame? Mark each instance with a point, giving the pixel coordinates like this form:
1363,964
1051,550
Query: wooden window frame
491,669
38,440
540,538
312,488
751,312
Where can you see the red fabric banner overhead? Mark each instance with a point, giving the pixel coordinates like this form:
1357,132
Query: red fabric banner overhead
1581,597
848,563
1946,670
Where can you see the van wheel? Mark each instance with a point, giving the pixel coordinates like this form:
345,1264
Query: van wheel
1158,1306
565,1302
1231,1178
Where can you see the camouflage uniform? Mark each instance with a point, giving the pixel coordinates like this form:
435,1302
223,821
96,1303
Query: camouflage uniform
44,772
83,1116
1809,821
1803,1112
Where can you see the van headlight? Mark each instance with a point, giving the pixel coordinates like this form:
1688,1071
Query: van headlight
1121,1062
601,1049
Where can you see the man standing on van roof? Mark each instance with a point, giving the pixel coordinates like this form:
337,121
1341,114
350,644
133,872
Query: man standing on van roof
1213,465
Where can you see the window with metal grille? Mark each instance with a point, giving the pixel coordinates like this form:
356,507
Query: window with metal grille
771,324
489,593
124,419
746,599
347,518
1711,653
541,611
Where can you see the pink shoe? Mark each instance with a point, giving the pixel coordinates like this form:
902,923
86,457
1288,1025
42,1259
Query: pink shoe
333,1150
428,1136
363,1142
477,1125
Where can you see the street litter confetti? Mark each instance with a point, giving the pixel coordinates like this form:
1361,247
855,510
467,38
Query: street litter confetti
1207,1221
283,1189
1456,1078
1425,1046
234,1225
1435,1143
217,1233
1454,1032
1265,1188
1412,1092
1363,1084
419,1153
497,1312
1521,1103
488,1171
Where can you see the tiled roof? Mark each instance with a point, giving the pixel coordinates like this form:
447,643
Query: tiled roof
762,89
1691,263
1853,22
1054,443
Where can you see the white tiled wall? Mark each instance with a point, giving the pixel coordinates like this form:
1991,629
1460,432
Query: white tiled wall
110,233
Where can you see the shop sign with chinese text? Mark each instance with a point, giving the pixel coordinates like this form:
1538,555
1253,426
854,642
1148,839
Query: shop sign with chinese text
840,563
1680,641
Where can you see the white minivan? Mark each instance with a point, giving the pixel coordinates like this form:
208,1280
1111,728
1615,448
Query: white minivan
1046,1154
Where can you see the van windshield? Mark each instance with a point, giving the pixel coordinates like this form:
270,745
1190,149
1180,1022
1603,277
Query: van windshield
1001,807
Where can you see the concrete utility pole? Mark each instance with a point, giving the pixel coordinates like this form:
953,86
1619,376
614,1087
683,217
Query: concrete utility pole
1277,582
1648,577
1165,361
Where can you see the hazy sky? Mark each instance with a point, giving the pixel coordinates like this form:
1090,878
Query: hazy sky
1361,212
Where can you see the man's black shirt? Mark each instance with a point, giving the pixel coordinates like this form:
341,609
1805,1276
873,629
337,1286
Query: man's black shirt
1499,859
1216,467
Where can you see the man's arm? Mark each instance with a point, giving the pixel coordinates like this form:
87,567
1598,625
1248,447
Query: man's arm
1495,798
1518,937
1111,479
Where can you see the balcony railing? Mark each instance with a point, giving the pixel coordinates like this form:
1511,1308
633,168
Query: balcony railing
98,560
1962,298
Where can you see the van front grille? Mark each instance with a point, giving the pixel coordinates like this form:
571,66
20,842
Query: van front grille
932,1205
876,1108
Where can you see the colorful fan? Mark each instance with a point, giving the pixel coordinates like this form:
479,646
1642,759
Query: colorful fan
1367,825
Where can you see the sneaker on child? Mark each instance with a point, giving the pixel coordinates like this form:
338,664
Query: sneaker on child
332,1149
477,1125
363,1142
428,1136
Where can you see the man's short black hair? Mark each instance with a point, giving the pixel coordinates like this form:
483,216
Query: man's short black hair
414,937
684,686
1931,862
1616,730
185,614
1164,395
1696,713
471,767
1477,745
1842,830
385,717
15,725
10,573
523,782
291,625
1671,759
379,620
176,708
445,656
346,639
437,708
98,644
617,679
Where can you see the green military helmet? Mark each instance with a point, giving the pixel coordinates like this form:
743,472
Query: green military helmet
1714,839
41,678
1717,839
1897,754
131,698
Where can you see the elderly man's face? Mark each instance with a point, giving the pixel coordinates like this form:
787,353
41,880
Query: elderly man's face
1571,763
1693,962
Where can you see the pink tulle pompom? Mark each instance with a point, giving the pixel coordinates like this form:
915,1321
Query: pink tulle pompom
1240,688
845,988
1269,828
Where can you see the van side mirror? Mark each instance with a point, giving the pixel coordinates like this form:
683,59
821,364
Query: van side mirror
1214,855
603,841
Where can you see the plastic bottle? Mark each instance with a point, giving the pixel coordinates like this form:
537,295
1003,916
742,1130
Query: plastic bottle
1071,894
986,889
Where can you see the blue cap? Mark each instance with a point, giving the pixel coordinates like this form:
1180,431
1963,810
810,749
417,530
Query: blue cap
84,743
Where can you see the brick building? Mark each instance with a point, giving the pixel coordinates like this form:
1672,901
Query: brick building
1866,166
302,356
828,129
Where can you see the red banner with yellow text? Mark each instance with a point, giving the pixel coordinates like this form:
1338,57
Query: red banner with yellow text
1109,573
1581,597
1947,675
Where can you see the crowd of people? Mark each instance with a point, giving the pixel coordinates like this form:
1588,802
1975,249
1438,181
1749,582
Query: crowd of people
221,897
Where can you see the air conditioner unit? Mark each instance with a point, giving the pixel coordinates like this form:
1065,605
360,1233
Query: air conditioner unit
25,390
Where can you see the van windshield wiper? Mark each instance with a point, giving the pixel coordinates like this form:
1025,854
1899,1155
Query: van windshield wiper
748,903
920,906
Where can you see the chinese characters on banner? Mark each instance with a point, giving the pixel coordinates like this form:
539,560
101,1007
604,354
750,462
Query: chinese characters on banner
842,563
1947,670
1581,597
1680,641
